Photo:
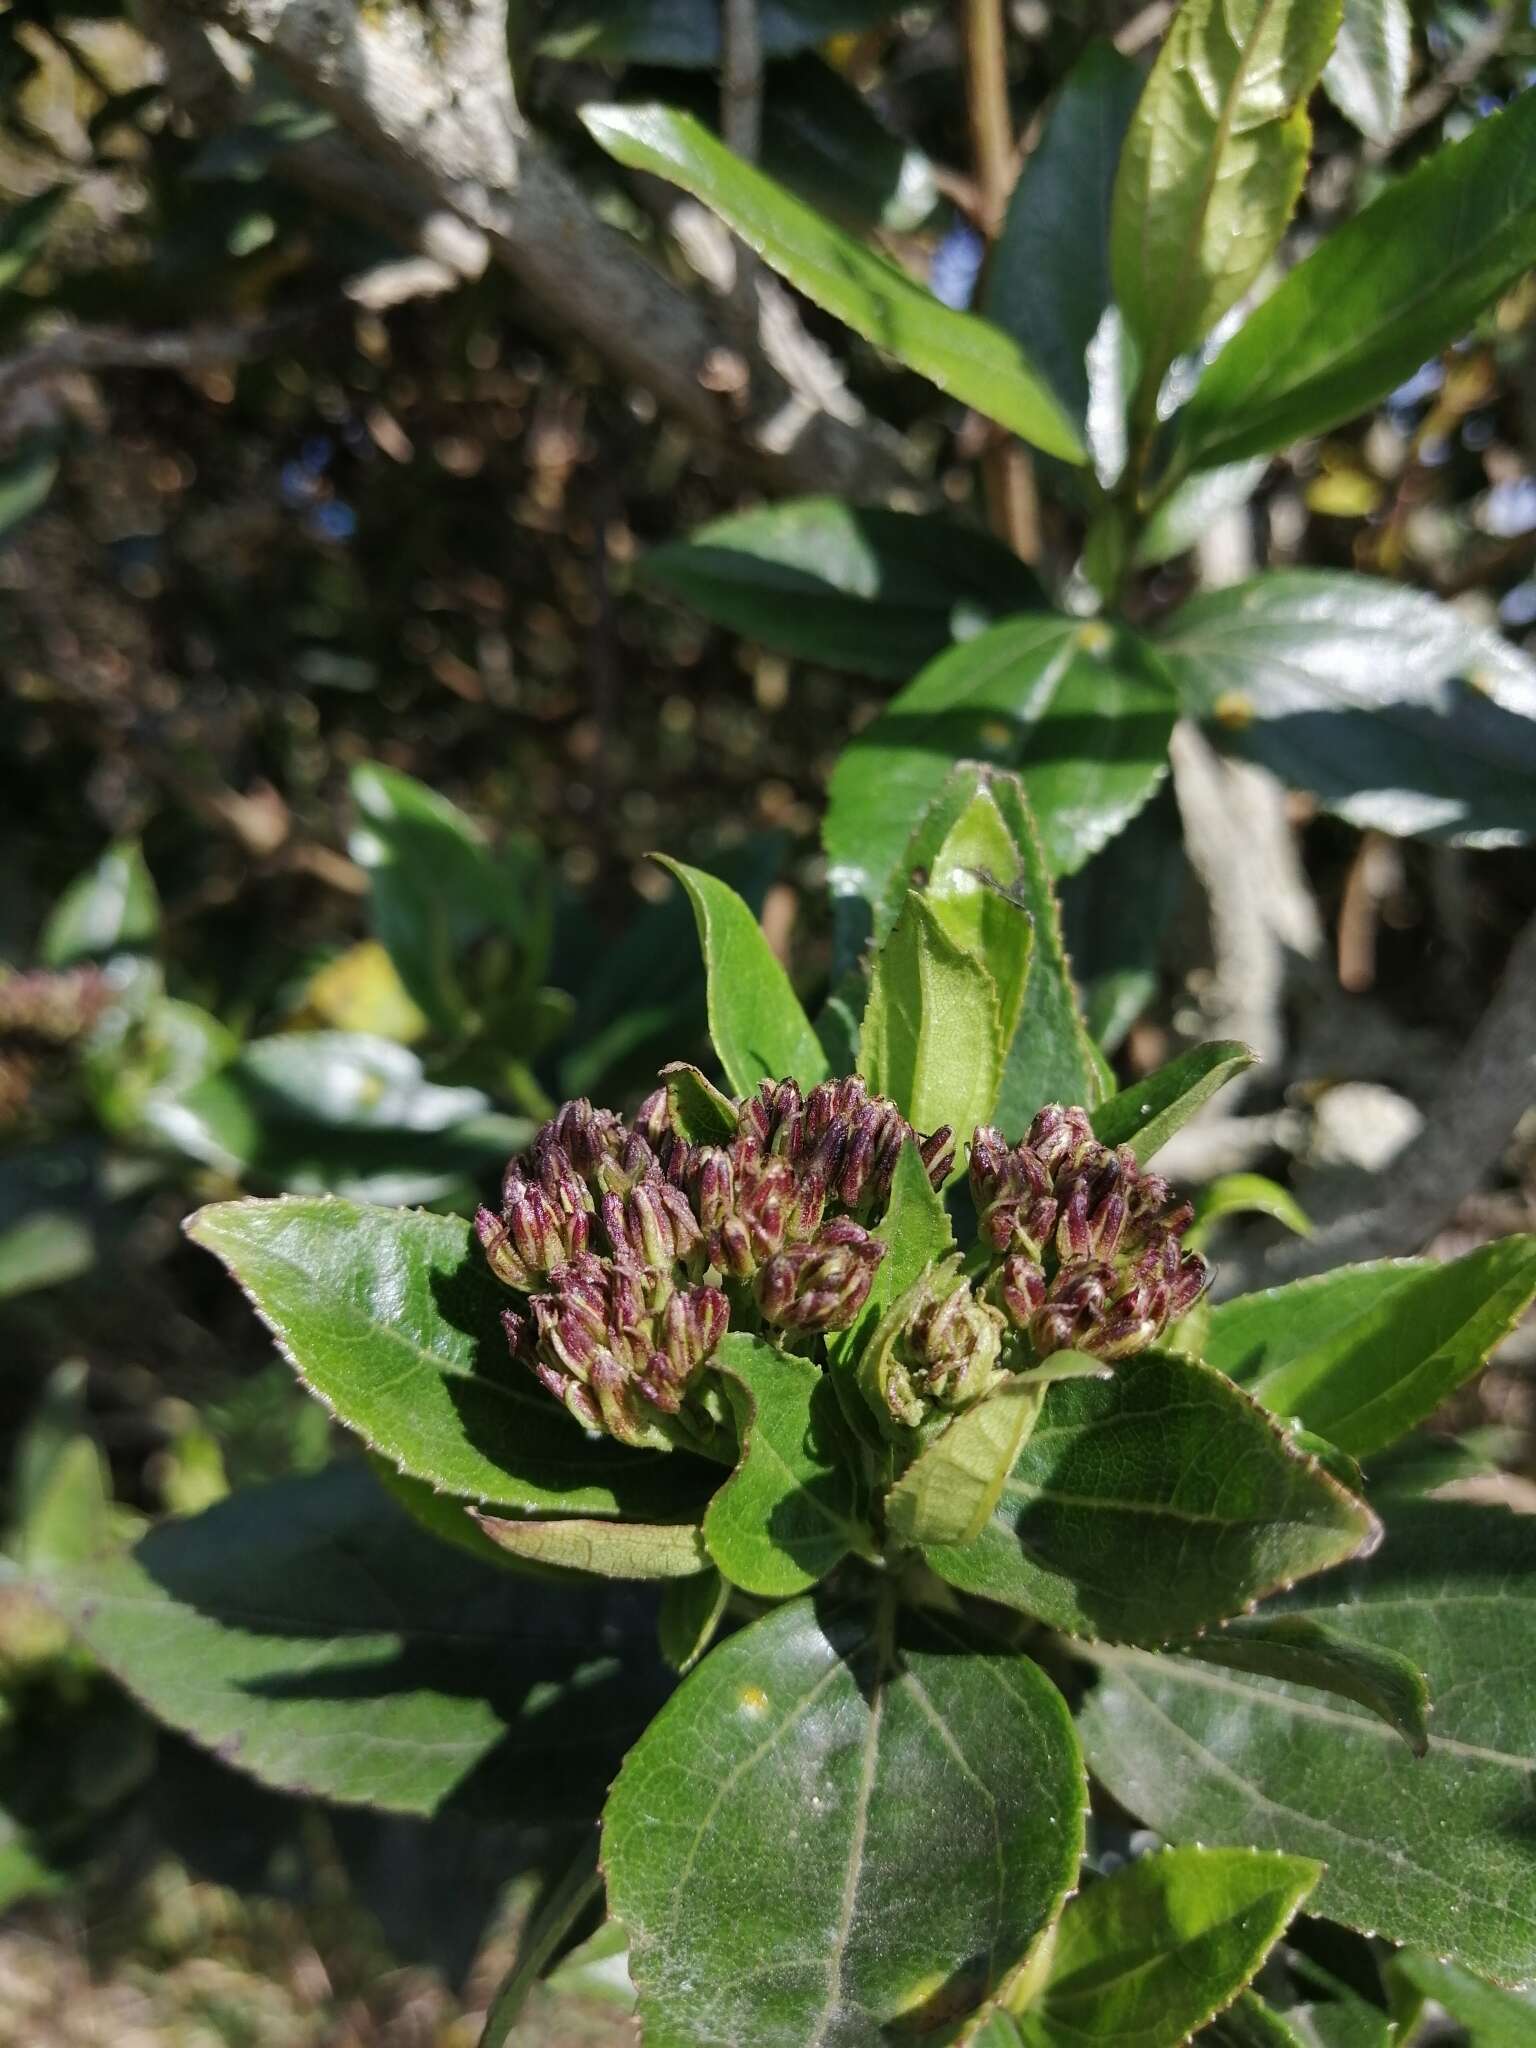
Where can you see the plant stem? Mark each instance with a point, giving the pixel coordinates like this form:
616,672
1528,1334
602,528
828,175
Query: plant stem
1007,478
741,77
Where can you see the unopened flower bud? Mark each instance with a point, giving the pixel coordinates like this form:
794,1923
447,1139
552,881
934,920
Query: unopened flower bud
822,1285
955,1344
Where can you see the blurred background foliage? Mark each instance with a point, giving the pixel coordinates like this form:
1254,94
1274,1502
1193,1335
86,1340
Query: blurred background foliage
338,715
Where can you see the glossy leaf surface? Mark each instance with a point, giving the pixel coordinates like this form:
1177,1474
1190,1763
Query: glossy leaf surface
1048,280
1212,164
850,586
1170,1465
756,1023
1145,1957
1367,75
112,908
310,1634
1438,1850
883,1769
785,1516
1364,1353
1304,1651
1146,1115
393,1319
951,1488
965,356
1080,711
1395,711
1378,297
931,1038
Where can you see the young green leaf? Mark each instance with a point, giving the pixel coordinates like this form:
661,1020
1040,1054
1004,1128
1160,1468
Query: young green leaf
759,1030
1146,1116
1080,709
786,1515
1244,1194
602,1549
1148,1506
1048,281
973,890
691,1611
950,1490
1395,711
1367,75
886,1767
931,1037
1379,296
111,908
1301,1651
1362,1354
1145,1957
1492,2016
917,1233
392,1318
966,356
1433,1850
698,1109
1050,1057
309,1633
1212,166
436,888
1188,513
850,586
335,1112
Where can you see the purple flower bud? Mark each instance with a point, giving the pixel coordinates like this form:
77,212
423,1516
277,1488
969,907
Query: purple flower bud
956,1343
938,1154
653,1119
1073,1240
500,1255
822,1285
1021,1286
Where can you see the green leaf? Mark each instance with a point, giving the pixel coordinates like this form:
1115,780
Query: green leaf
816,1774
1395,711
1212,166
698,1109
1079,709
691,1611
1146,1115
1116,912
1378,297
931,1038
1302,1651
392,1318
1249,2023
950,1490
827,141
850,586
1047,281
604,1550
1362,1354
1146,1956
687,32
1244,1194
1367,75
785,1516
342,1113
965,356
1189,512
1436,1850
27,475
1492,2016
309,1633
111,908
1169,1465
438,890
973,891
756,1023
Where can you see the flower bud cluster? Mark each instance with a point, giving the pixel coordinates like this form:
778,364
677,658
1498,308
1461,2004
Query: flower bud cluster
618,1235
1089,1244
943,1350
41,1013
